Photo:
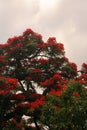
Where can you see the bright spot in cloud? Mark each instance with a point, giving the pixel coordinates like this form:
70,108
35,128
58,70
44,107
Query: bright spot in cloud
46,3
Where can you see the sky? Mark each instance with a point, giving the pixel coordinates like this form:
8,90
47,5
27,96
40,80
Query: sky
64,19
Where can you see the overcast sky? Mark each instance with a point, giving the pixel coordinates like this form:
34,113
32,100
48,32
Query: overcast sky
64,19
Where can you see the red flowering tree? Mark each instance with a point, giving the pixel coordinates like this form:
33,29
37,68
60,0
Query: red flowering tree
28,65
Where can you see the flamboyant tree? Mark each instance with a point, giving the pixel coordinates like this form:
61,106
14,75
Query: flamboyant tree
29,65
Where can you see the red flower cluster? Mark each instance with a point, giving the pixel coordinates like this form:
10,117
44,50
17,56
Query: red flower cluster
32,34
62,87
51,39
82,81
39,36
28,32
65,59
57,76
12,81
3,92
2,45
18,96
56,106
19,45
84,65
7,84
13,41
76,94
28,78
56,46
64,81
43,61
47,82
2,59
35,96
32,105
51,81
73,66
84,76
37,103
41,46
31,128
56,92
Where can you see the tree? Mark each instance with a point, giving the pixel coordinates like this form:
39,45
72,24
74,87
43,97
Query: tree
28,63
67,111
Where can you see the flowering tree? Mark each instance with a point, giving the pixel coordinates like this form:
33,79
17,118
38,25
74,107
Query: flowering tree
28,63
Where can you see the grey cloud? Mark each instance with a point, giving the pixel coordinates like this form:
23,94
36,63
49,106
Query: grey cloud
65,19
16,16
70,13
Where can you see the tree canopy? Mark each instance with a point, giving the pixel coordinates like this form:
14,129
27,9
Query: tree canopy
40,89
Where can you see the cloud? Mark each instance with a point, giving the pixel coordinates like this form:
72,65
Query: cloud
16,16
64,19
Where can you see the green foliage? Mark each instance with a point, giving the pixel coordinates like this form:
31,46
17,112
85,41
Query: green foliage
10,126
69,111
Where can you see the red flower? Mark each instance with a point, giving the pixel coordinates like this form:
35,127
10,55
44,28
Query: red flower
73,65
39,36
19,45
57,76
10,88
18,96
62,87
35,96
76,94
52,39
42,46
83,76
65,59
3,45
37,103
82,81
3,92
43,61
31,128
64,81
56,46
84,67
32,105
13,40
12,81
2,58
56,107
47,82
28,78
60,46
28,32
56,92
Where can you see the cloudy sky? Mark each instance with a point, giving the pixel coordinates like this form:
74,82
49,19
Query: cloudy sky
64,19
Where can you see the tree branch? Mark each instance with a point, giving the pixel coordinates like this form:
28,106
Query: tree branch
22,86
